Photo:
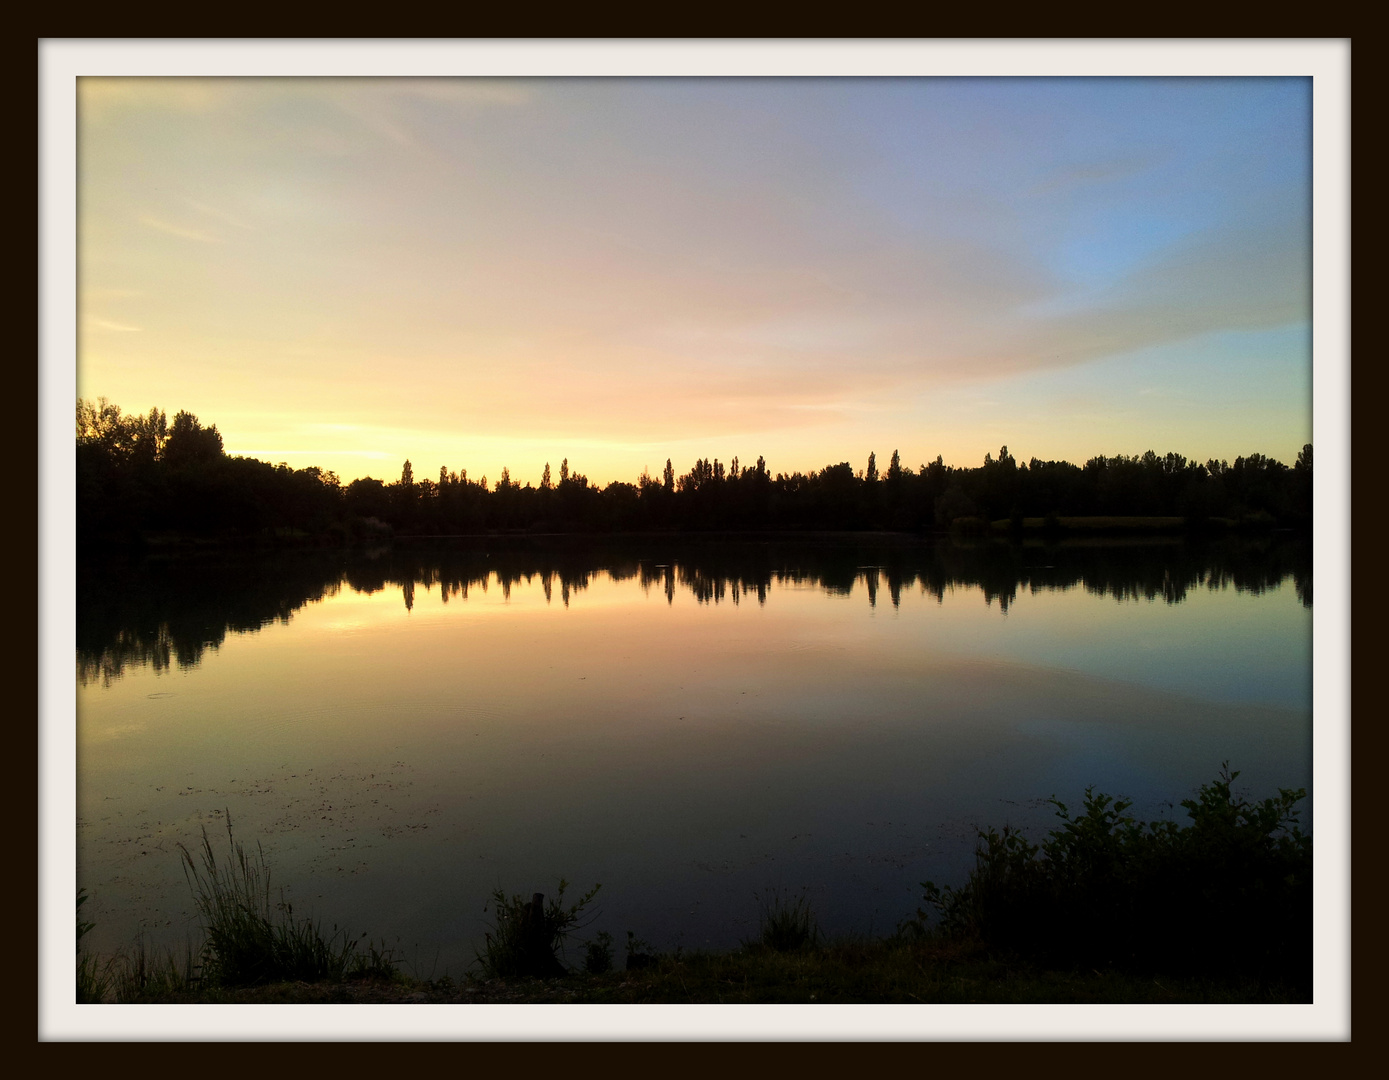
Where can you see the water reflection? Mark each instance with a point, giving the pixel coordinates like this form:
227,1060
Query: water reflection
700,722
170,611
162,612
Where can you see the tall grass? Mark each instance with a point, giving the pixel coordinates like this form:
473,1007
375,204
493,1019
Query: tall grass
147,974
93,974
250,940
138,974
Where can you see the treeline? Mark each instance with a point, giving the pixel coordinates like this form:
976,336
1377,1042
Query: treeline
138,475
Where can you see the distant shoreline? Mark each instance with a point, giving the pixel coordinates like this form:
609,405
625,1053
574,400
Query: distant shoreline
1028,530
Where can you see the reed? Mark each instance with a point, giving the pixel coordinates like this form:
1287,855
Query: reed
250,940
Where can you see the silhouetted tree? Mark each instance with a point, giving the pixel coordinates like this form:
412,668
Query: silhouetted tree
189,443
121,438
406,496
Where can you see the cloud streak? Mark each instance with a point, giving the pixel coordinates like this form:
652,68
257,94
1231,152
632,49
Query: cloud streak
108,324
181,231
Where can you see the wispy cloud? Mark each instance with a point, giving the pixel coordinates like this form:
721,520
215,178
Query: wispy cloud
1100,172
108,324
112,293
181,231
100,98
389,109
464,92
218,215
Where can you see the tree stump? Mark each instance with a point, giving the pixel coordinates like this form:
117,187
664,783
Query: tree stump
537,946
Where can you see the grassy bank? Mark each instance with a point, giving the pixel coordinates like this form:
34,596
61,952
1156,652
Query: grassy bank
882,971
1106,909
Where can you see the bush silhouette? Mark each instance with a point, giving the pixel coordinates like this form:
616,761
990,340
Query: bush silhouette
1232,891
527,935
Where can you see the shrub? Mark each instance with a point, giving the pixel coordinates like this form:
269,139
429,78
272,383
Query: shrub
1229,892
527,935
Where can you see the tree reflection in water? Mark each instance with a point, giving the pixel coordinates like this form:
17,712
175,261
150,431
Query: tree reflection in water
162,612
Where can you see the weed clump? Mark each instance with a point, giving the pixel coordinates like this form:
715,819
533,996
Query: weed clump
250,941
1232,891
598,954
527,935
640,954
786,925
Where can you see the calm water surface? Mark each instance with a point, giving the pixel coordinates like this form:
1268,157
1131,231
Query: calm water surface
688,725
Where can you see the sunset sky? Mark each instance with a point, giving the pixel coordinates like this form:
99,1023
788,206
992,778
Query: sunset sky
477,273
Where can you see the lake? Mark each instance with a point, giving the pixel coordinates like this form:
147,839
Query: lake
690,723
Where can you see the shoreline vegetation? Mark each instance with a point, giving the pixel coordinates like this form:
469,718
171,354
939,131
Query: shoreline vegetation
1104,909
143,481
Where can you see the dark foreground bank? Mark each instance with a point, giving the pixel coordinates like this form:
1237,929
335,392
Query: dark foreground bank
848,972
1106,909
